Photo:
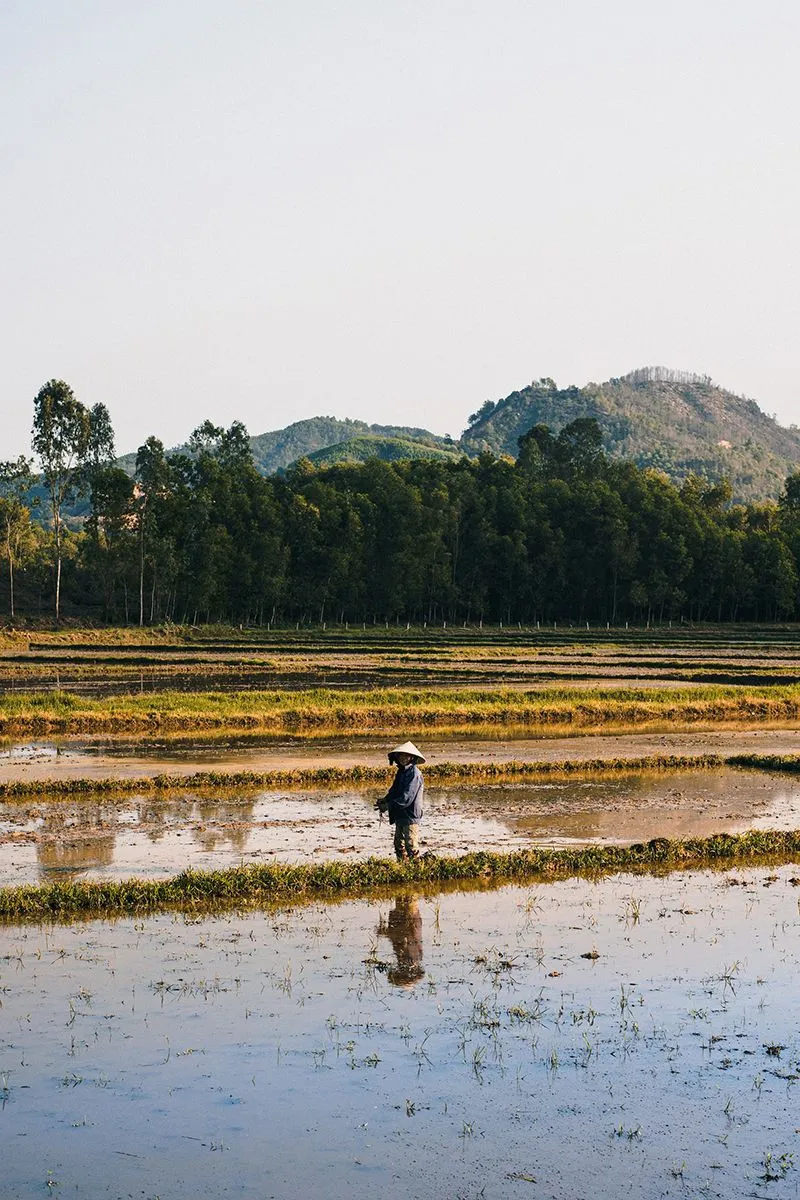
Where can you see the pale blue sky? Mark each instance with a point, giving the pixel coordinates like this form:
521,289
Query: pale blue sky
392,210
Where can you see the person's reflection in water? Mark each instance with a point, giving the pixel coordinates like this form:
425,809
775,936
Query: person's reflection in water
74,858
403,928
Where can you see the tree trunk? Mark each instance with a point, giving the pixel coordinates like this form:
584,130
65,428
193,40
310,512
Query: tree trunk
141,570
57,523
10,573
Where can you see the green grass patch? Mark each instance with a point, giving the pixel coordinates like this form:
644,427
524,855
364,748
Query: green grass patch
443,773
767,762
387,709
279,883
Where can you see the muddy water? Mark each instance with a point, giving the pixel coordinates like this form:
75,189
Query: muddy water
155,835
101,757
635,1037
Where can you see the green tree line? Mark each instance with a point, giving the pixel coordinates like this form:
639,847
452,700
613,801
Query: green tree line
562,533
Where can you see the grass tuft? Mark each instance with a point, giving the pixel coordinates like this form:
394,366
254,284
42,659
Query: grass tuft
325,777
261,884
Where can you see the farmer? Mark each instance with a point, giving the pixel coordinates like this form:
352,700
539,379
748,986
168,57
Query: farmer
403,801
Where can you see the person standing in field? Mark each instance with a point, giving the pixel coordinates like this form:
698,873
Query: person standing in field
403,801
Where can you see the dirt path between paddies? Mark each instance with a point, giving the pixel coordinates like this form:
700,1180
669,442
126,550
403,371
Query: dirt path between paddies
104,758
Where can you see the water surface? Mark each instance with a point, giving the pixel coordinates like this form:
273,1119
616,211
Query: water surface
154,834
123,756
633,1037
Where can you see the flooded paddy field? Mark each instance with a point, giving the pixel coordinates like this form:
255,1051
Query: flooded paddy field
157,834
122,756
635,1036
186,660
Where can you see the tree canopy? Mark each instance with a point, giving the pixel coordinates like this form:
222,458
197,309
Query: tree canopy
563,533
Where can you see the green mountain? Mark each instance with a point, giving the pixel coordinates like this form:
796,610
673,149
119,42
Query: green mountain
274,451
675,421
389,449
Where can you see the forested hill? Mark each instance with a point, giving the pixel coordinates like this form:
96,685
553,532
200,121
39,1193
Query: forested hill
328,440
388,449
681,423
278,449
562,532
673,420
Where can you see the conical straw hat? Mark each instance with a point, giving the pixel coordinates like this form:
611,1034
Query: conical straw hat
407,748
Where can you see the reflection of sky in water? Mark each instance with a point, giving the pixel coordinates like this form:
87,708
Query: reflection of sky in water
280,1044
159,835
102,754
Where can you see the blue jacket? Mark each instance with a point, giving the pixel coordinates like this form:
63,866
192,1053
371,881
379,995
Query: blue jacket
405,795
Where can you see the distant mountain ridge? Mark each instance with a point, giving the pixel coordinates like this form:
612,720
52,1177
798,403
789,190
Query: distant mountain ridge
277,450
314,437
676,421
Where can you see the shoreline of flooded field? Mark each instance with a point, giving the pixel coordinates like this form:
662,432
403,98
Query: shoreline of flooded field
126,756
463,1044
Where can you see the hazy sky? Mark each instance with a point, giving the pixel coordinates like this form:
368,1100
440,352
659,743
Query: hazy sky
388,209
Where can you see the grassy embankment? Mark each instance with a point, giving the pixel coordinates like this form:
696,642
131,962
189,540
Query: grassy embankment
767,762
386,710
71,631
287,884
442,773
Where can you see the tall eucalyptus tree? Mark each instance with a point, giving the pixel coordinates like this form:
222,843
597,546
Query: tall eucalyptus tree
62,432
152,481
16,480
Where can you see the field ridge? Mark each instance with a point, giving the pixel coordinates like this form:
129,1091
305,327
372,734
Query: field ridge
274,883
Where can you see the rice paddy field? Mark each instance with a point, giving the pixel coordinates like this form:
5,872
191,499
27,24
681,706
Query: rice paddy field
628,1036
214,981
108,835
181,659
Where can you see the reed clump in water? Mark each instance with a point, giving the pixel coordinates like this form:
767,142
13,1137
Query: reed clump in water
286,883
326,777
